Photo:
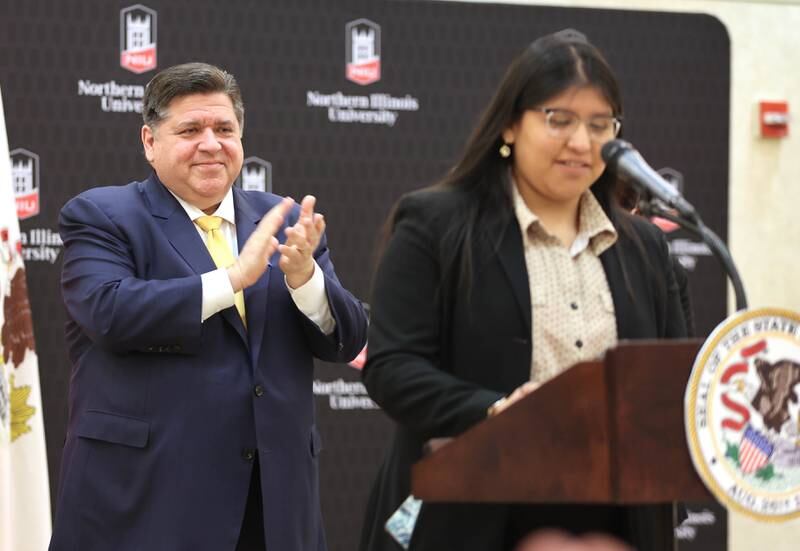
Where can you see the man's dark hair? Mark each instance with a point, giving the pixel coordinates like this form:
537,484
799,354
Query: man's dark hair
186,79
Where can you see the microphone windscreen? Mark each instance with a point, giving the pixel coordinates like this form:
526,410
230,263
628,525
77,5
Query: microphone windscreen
612,150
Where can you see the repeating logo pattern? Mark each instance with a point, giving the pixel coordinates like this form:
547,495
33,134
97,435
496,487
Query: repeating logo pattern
256,175
674,178
363,51
742,406
137,37
25,180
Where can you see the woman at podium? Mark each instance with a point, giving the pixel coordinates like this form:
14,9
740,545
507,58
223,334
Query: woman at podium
517,265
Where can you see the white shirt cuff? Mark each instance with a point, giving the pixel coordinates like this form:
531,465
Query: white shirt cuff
311,300
217,292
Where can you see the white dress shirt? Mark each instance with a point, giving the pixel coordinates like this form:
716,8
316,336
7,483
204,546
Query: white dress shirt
310,298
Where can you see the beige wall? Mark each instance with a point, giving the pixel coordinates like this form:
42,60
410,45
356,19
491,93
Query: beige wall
764,232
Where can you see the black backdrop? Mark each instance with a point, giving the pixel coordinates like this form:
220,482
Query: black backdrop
72,110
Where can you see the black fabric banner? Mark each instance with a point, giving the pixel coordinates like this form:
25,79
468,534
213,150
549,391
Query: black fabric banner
356,102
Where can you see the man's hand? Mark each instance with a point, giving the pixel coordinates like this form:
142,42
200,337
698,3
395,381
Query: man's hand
254,256
302,239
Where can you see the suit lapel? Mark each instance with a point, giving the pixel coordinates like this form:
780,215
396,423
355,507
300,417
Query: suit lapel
255,296
180,231
183,236
512,257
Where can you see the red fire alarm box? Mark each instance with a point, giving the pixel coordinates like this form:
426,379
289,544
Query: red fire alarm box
773,117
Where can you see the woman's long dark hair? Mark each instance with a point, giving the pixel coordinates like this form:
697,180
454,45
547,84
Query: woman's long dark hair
548,66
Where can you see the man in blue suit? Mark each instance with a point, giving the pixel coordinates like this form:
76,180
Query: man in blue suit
191,409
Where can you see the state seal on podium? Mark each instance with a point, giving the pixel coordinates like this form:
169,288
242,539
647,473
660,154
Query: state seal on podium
742,406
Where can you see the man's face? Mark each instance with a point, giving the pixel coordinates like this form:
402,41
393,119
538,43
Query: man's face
196,150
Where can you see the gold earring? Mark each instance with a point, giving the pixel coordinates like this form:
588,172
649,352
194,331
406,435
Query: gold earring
505,151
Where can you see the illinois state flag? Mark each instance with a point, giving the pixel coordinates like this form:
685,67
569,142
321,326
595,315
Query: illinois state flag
24,486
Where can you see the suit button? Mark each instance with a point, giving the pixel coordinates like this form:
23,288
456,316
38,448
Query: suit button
248,454
258,390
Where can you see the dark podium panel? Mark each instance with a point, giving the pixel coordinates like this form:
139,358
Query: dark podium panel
608,431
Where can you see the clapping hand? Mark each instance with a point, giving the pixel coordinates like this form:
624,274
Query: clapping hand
302,239
254,256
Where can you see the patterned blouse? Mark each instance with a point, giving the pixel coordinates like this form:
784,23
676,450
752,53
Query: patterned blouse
572,311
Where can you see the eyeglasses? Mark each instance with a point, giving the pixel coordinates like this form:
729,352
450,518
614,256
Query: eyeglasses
563,123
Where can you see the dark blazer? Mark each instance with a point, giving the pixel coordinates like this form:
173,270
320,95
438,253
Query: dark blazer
166,412
682,280
438,360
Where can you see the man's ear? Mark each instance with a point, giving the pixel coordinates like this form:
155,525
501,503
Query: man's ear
148,139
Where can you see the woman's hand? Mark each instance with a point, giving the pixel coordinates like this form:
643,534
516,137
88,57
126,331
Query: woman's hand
519,393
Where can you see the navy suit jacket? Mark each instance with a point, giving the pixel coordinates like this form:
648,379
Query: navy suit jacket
166,411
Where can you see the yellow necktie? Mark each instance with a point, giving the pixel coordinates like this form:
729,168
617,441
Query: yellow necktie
220,252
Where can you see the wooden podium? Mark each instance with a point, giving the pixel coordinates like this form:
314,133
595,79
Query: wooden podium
608,431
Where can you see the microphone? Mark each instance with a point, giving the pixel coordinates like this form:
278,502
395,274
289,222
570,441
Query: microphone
622,158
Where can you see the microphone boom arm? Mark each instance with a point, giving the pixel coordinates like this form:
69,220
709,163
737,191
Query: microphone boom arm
697,228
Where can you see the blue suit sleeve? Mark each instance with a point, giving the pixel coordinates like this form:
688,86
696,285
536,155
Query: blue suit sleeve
350,334
106,295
